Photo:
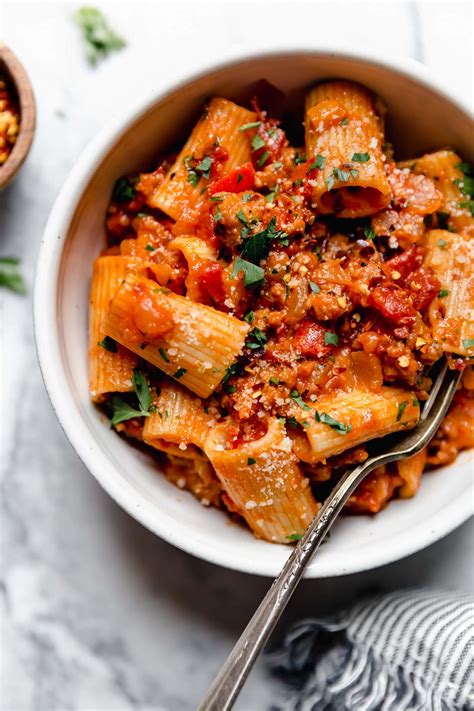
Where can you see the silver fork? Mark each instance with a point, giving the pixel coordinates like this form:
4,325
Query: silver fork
227,685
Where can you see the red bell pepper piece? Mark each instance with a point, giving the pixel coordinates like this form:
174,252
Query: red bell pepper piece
238,180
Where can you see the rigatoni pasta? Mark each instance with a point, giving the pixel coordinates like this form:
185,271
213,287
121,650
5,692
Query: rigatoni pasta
265,313
344,138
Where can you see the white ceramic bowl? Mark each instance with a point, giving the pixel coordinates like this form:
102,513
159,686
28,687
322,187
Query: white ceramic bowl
422,116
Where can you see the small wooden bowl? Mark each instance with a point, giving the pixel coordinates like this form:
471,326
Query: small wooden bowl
15,73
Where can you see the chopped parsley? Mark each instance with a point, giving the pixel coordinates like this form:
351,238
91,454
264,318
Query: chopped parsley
314,287
344,121
469,205
319,162
442,244
150,248
256,339
108,344
330,182
122,411
124,189
142,389
331,338
274,381
204,167
218,214
179,373
300,158
246,197
299,401
468,343
401,409
291,422
253,274
263,159
164,355
294,537
360,157
326,419
369,233
249,317
230,389
466,183
443,293
251,461
256,247
247,126
10,276
233,369
99,38
257,142
218,198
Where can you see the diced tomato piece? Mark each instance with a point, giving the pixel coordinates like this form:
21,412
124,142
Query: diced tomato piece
403,263
425,286
238,180
210,280
309,340
393,303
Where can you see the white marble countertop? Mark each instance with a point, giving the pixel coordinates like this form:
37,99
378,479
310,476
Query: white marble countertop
98,614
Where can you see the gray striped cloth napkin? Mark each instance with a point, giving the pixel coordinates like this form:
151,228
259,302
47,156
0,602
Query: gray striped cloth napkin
411,650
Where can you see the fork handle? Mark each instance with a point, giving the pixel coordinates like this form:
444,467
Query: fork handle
224,690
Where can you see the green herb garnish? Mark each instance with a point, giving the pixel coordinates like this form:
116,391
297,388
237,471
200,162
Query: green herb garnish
326,419
319,162
179,373
99,38
256,339
253,274
247,126
401,409
251,461
331,338
299,401
314,287
124,189
10,276
108,344
164,355
360,157
468,343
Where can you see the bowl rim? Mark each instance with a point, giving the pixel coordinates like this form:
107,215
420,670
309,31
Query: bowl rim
47,336
24,90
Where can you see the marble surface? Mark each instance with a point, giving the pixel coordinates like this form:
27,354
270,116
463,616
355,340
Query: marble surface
97,613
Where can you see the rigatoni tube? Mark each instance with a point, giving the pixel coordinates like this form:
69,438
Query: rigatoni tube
344,138
193,343
264,482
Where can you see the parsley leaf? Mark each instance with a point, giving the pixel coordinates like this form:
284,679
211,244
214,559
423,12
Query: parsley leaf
179,373
468,343
330,338
253,274
256,247
344,121
204,167
299,401
369,233
301,158
164,355
466,184
274,380
360,157
443,293
249,317
401,409
98,37
326,419
10,277
469,204
122,411
263,159
247,126
108,344
330,182
314,287
251,461
257,142
256,339
142,389
233,369
442,243
319,162
124,189
294,537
